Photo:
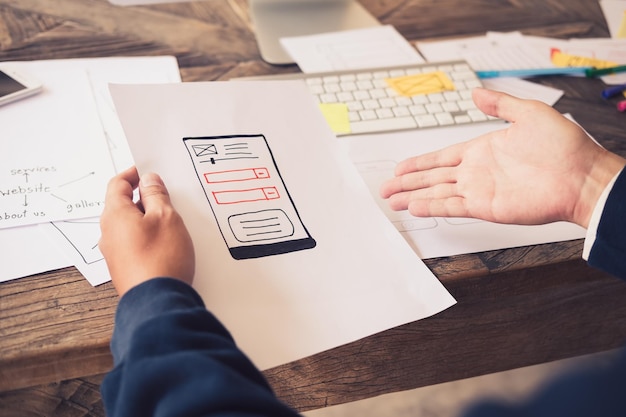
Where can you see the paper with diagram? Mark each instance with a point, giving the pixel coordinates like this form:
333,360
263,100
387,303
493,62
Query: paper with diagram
289,243
80,236
32,249
55,162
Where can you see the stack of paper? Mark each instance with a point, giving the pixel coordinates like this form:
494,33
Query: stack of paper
512,51
61,147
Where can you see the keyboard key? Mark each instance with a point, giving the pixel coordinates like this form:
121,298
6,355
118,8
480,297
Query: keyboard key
362,95
444,119
348,86
463,75
383,125
378,93
417,109
354,105
368,115
384,113
328,98
387,102
316,89
365,84
436,98
420,99
403,101
473,84
466,94
462,119
371,104
466,104
332,88
426,120
450,106
401,111
433,108
345,96
451,96
477,115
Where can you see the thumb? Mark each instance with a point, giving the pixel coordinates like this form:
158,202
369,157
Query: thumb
493,103
505,106
153,192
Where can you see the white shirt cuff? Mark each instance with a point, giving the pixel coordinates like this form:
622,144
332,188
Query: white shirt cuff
594,221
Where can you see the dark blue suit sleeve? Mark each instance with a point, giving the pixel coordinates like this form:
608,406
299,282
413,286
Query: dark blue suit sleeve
609,249
583,392
172,357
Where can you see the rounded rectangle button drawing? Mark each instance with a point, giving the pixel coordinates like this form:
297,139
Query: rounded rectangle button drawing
261,225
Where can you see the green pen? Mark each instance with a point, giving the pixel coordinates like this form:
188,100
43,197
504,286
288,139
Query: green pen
596,72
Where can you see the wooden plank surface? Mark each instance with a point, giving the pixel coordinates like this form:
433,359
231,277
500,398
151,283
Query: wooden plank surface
516,306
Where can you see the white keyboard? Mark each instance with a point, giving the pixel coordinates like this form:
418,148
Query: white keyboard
374,107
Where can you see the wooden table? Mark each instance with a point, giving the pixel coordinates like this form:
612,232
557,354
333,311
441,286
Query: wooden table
516,307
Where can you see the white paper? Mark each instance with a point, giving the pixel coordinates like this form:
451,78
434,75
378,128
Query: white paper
79,238
494,51
29,250
55,162
26,251
527,90
614,14
359,279
500,51
376,156
380,46
122,70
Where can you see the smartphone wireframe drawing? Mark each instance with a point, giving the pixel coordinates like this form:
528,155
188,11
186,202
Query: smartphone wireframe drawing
246,192
15,85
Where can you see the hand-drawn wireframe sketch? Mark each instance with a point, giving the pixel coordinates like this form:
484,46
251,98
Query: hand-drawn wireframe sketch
241,181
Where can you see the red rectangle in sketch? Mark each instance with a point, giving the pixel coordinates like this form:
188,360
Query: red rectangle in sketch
245,196
237,175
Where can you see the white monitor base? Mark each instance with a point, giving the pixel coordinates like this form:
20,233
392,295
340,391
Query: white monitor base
275,19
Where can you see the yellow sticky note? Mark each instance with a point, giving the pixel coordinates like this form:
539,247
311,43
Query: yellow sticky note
336,115
427,83
621,32
561,59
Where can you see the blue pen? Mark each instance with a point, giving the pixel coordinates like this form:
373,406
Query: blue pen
613,91
533,72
